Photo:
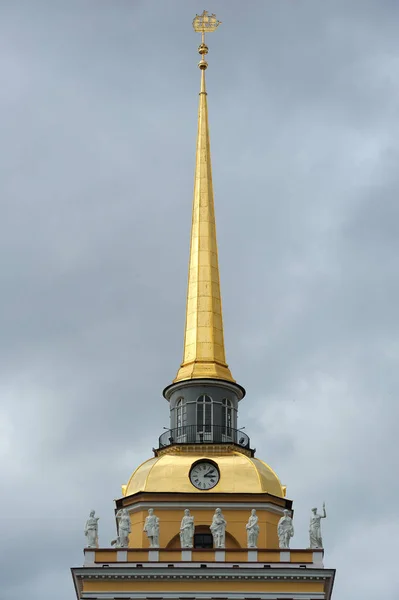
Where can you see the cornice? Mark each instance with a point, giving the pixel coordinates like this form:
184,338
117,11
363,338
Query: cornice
167,574
130,573
205,596
160,506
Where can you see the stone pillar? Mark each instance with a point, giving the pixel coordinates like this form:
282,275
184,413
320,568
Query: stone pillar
186,555
252,556
90,557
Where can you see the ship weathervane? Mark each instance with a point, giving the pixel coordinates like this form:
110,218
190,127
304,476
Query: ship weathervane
205,23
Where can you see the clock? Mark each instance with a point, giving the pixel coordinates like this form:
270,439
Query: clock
204,475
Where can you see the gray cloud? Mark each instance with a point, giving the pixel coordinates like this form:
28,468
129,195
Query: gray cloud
99,105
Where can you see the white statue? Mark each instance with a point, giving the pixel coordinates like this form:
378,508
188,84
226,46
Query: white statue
151,527
218,529
285,530
315,528
252,528
187,530
124,528
91,530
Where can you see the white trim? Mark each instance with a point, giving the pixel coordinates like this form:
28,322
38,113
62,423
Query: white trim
204,596
220,555
285,556
252,556
160,571
201,504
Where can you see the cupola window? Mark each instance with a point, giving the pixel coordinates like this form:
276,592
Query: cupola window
181,416
204,414
227,416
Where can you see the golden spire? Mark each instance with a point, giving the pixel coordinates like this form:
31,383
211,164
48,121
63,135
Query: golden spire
204,354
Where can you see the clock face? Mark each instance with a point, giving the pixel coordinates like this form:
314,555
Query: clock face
204,475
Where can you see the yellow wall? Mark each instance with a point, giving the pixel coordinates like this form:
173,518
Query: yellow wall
203,556
137,556
105,556
236,557
269,557
247,586
236,533
271,537
170,556
301,556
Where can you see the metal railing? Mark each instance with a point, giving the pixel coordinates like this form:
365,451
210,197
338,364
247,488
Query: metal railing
204,434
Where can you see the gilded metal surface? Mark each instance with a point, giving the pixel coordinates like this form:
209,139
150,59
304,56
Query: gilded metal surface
238,474
205,23
204,353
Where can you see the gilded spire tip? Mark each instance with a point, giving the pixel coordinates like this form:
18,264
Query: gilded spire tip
204,23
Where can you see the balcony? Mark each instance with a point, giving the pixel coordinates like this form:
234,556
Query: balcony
204,434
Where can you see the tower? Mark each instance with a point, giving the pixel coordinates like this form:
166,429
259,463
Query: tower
200,518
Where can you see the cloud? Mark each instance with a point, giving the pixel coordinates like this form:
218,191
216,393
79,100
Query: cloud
99,106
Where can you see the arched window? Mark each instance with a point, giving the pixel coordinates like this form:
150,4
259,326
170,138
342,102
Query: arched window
181,416
227,417
203,540
204,414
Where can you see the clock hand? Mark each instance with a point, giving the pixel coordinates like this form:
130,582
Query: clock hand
210,473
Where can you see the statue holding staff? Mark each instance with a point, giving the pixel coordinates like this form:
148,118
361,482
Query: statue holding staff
315,528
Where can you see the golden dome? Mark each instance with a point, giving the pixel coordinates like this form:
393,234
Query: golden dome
238,474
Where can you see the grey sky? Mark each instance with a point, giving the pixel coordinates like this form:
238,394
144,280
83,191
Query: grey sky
98,121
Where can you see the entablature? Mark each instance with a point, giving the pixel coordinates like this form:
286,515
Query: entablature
241,578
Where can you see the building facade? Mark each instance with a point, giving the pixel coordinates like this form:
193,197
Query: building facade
204,517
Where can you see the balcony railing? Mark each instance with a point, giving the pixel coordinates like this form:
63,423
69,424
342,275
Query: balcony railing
204,434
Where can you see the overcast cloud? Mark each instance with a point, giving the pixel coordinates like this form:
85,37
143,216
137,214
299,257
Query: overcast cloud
98,108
